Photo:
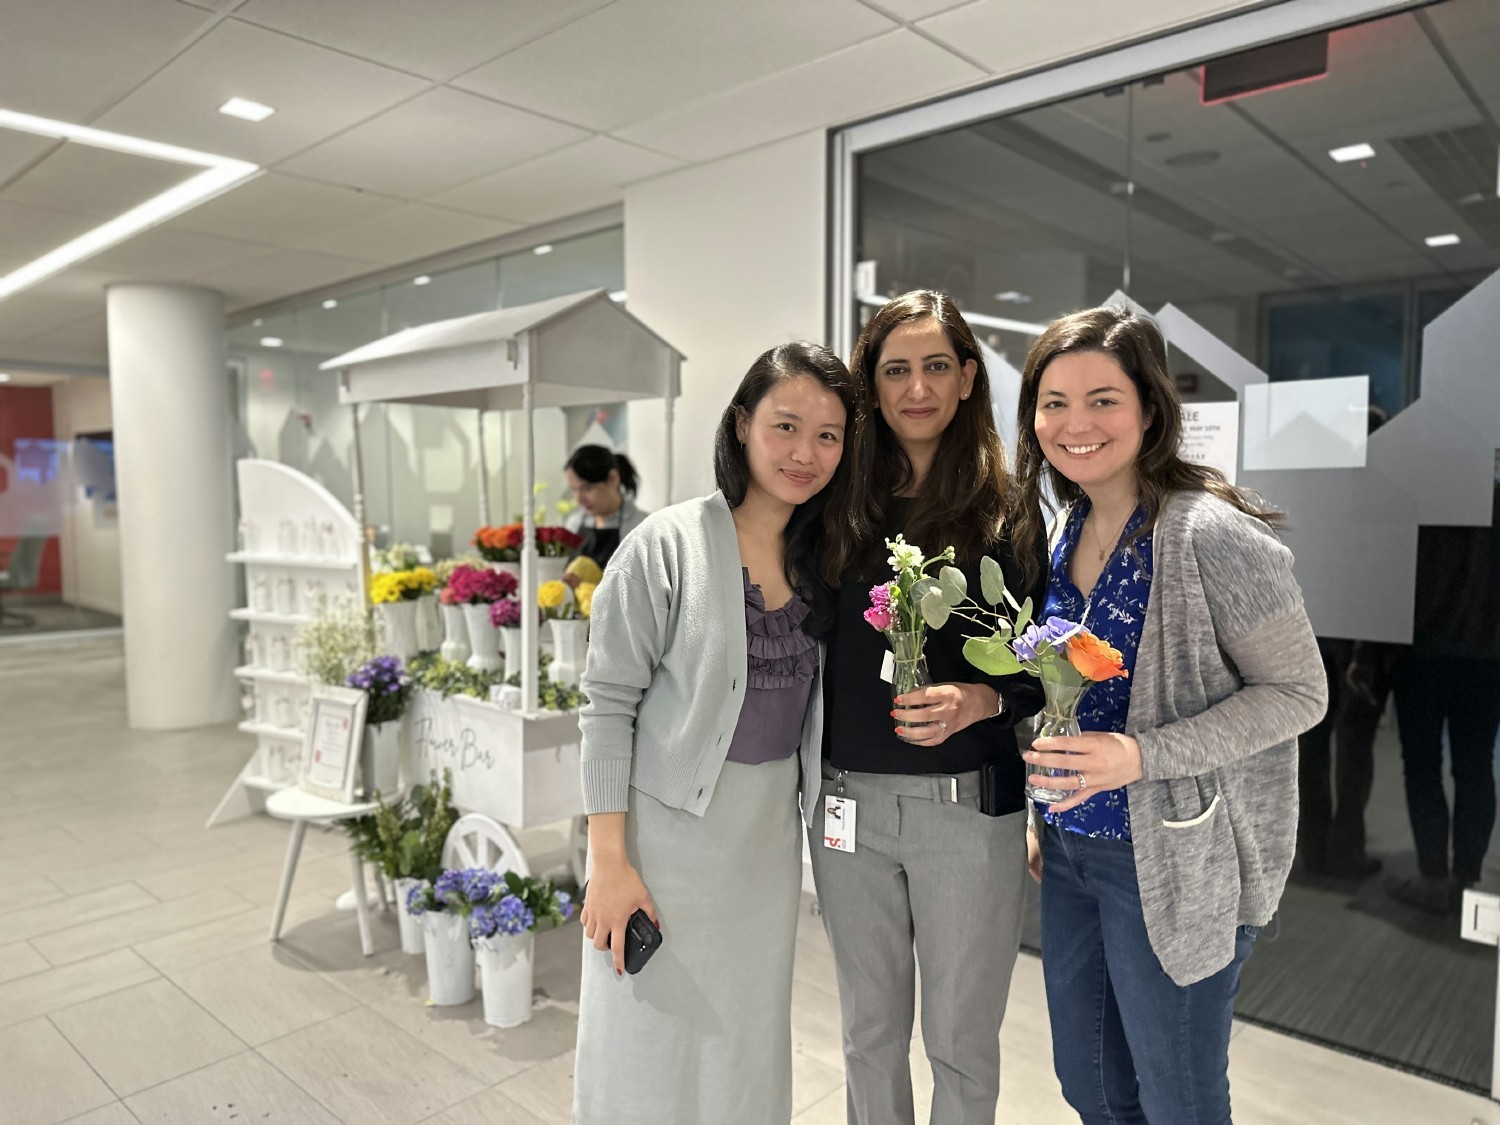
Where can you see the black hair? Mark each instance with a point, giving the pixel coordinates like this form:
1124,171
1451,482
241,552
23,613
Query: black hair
803,539
593,464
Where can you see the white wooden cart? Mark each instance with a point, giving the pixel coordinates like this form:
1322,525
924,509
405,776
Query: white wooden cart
522,767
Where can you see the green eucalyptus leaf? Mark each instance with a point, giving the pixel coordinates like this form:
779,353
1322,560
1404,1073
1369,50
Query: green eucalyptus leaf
991,655
1023,616
991,580
935,609
954,585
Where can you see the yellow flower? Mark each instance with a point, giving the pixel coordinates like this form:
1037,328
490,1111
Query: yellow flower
585,569
552,594
423,579
584,596
538,488
566,507
385,588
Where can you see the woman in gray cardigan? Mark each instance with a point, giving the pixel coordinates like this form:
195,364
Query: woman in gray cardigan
1174,846
703,712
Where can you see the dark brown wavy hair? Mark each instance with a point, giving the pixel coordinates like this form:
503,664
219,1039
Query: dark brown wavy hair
1136,344
963,500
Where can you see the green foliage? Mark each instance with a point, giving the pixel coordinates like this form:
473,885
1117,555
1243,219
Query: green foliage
539,895
405,839
436,674
335,643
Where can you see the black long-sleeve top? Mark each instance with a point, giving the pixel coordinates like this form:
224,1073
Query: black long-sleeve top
858,732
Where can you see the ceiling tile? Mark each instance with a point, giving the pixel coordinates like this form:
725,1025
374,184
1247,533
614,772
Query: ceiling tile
281,273
579,178
1005,35
174,255
631,61
19,150
413,231
95,181
433,142
29,232
887,71
107,48
29,314
436,38
317,93
916,9
283,210
81,341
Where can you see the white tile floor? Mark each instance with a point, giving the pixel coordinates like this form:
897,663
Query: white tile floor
137,984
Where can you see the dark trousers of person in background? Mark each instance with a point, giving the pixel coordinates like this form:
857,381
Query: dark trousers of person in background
1336,761
1432,690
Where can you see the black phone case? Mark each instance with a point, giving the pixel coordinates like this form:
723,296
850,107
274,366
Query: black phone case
642,940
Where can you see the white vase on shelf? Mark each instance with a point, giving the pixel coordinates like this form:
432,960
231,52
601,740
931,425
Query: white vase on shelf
429,624
398,626
455,647
484,639
550,569
380,759
570,641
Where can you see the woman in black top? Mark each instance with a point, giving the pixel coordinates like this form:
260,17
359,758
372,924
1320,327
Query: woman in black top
603,484
937,869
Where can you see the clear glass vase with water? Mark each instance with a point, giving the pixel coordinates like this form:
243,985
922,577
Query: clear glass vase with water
1058,718
910,669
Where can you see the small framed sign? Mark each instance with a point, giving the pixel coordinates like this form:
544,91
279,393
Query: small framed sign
331,744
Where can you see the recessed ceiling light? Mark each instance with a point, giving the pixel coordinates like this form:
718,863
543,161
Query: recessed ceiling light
330,304
271,341
219,174
1013,297
617,296
1442,240
545,248
246,109
4,378
423,280
1360,151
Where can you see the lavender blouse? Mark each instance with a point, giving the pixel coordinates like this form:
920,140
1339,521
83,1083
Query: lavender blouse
782,662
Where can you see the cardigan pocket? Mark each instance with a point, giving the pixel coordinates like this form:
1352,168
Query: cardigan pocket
1198,853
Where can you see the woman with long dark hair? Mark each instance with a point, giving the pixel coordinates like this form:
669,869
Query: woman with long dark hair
704,711
1173,847
604,485
936,872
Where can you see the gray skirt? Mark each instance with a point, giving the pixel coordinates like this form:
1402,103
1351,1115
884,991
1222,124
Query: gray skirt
703,1032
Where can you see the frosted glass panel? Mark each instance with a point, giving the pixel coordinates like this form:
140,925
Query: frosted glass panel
1310,424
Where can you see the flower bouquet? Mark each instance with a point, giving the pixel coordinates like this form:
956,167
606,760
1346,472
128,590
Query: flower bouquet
402,585
445,906
896,610
398,556
567,612
503,929
472,585
500,544
1065,656
556,542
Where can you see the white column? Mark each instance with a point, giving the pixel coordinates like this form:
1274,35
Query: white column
173,461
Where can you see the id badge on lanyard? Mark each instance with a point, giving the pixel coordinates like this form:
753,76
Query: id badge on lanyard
838,819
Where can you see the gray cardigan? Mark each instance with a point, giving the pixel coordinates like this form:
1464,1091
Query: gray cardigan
666,673
1226,676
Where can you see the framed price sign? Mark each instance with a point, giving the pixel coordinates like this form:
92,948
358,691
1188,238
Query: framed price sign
331,744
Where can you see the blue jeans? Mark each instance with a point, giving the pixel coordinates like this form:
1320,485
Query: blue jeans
1128,1044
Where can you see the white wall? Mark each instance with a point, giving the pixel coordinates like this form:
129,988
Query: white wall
725,260
90,552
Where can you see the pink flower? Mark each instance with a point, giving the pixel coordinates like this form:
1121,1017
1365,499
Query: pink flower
879,616
505,613
880,597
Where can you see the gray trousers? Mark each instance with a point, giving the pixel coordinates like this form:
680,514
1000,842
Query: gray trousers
932,882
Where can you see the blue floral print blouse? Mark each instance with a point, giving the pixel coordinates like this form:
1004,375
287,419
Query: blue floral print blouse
1115,612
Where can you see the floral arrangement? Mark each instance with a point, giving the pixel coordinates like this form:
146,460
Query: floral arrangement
405,840
402,585
1061,649
335,642
500,544
473,585
518,905
398,556
558,603
506,613
584,569
449,678
453,892
555,542
896,606
386,683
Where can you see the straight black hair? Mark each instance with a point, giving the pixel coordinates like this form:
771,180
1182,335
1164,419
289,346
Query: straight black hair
803,539
593,464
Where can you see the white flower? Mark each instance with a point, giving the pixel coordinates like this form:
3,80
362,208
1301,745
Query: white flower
904,555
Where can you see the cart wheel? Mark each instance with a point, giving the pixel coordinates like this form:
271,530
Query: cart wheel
578,848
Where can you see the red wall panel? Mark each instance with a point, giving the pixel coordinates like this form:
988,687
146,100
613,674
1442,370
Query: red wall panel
26,412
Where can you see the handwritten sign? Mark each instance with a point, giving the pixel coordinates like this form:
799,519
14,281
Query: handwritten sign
522,769
330,748
1211,435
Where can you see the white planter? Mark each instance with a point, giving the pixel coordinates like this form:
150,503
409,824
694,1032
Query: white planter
411,927
570,648
550,569
505,975
429,624
450,958
398,627
484,639
511,639
455,648
380,759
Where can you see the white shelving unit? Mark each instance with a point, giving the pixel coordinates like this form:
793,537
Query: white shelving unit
298,546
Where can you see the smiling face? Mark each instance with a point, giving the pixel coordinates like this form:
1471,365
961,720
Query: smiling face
919,381
1089,422
794,439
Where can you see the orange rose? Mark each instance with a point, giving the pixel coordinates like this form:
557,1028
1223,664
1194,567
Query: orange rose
1094,659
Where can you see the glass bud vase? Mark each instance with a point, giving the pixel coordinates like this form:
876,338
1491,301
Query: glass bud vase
1058,718
910,671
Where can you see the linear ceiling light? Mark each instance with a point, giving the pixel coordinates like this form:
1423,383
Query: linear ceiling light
1442,240
1360,151
245,109
220,173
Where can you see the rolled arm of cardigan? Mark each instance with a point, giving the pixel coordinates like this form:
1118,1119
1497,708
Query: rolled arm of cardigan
628,632
1284,692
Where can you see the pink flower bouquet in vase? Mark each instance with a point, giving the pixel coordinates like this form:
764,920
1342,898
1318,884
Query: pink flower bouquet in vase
896,610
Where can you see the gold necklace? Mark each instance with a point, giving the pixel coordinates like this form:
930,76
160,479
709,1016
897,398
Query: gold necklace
1103,550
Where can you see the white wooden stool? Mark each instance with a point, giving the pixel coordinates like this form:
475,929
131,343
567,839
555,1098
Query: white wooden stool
302,808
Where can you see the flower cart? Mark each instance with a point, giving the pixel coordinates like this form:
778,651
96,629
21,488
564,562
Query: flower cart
573,350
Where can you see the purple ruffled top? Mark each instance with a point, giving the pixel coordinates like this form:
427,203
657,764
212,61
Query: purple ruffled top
782,662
